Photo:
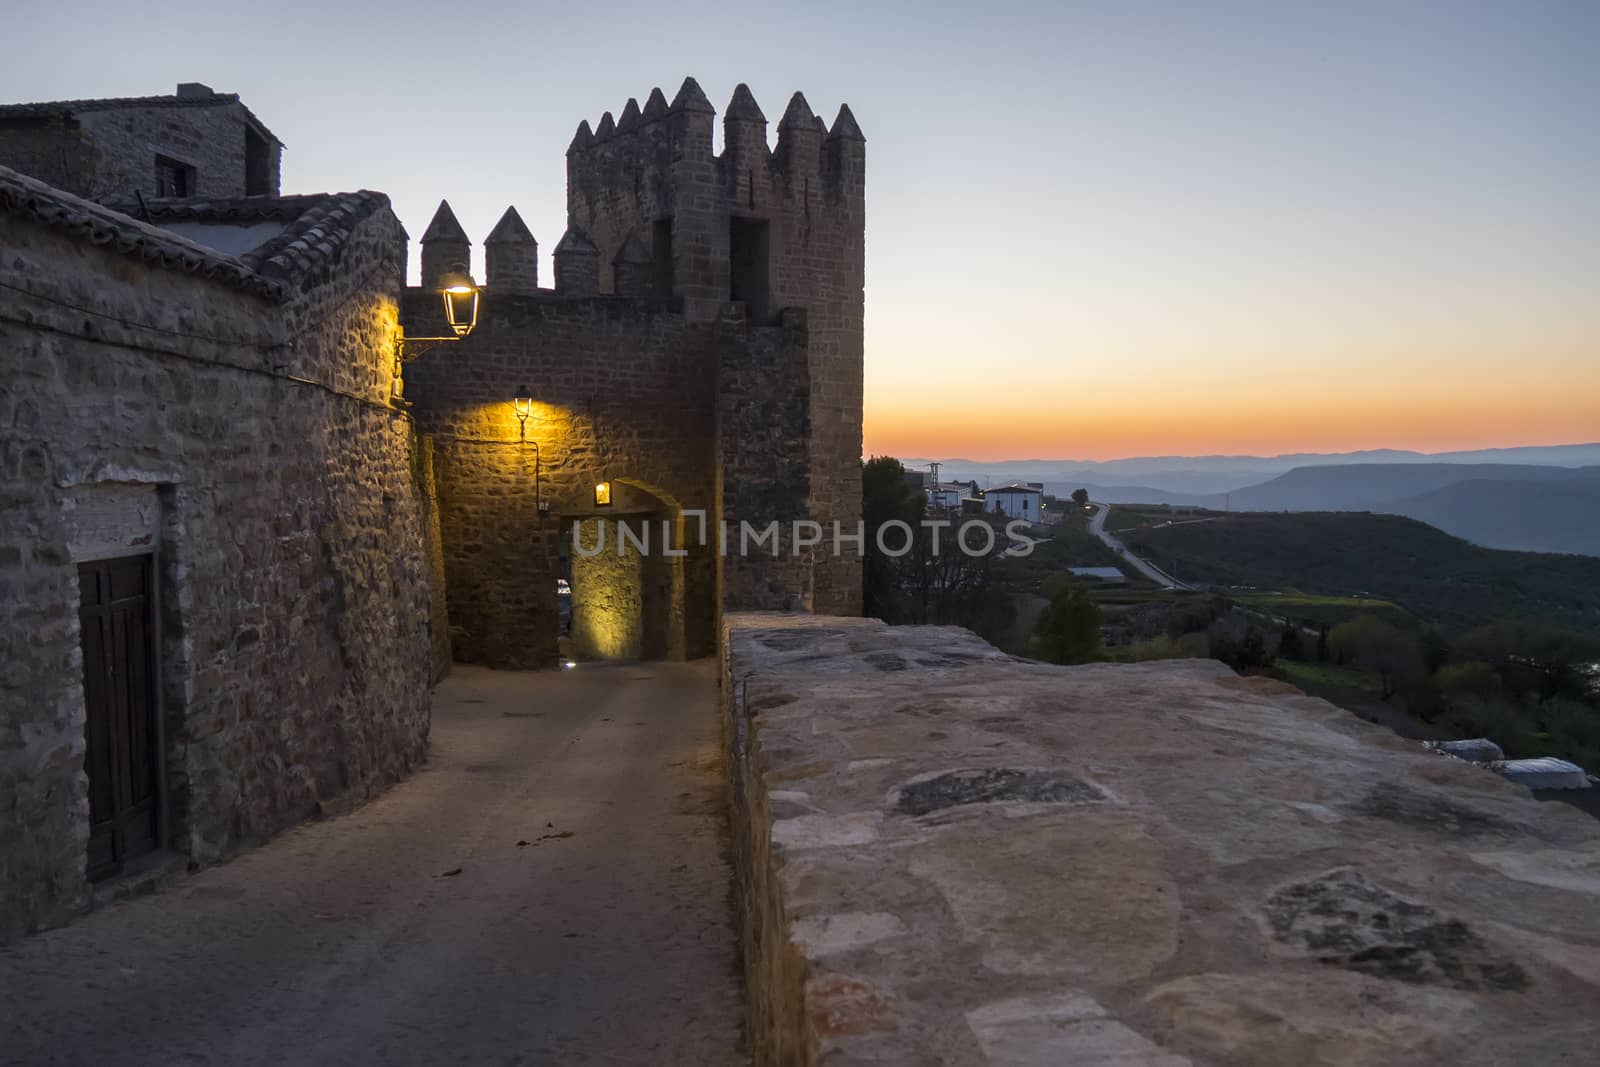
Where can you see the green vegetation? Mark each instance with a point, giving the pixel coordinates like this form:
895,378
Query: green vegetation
1430,574
942,586
1068,630
1395,620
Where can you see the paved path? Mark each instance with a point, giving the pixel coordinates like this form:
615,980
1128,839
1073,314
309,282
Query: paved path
347,942
1097,526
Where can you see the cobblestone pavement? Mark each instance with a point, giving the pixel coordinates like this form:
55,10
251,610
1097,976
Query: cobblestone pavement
552,888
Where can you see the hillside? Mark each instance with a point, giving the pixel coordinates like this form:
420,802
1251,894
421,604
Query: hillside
1376,487
1435,576
1532,516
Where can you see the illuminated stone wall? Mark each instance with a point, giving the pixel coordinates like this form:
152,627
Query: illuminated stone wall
287,522
624,391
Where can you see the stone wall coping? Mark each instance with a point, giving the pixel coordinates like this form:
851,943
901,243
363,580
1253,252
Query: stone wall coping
945,854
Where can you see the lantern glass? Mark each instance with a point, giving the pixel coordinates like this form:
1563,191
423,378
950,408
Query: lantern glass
460,301
523,403
602,494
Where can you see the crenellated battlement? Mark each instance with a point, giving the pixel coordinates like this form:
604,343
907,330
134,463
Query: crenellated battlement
655,211
622,151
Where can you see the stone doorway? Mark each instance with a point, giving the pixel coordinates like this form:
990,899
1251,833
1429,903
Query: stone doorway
626,585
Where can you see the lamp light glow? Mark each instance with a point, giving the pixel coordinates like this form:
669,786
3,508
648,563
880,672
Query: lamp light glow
523,403
460,300
602,494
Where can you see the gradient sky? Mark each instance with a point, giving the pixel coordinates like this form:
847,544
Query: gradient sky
1094,229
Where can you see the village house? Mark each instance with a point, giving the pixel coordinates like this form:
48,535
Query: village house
1015,501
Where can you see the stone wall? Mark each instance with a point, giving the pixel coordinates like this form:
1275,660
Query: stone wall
625,390
109,154
763,422
652,176
246,442
53,149
947,855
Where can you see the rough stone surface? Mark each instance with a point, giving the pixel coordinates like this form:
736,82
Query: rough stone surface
151,411
660,183
970,858
587,921
106,150
702,418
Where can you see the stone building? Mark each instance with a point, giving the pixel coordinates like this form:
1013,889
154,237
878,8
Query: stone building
196,142
239,504
700,354
214,575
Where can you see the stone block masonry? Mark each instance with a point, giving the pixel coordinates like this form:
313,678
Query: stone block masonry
209,143
230,421
628,392
768,228
947,855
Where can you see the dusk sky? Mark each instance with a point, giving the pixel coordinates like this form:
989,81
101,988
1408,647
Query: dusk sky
1094,230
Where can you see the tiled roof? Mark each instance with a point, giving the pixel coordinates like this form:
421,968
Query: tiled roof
314,227
84,219
51,108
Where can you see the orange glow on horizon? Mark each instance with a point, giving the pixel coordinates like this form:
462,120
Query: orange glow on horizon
1335,420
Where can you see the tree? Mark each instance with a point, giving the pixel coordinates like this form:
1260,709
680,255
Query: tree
1080,496
1537,660
885,497
1379,648
1068,631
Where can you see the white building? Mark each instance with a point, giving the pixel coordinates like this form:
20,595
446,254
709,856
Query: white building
1014,501
948,494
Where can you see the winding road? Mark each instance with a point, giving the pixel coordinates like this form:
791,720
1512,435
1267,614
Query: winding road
1097,526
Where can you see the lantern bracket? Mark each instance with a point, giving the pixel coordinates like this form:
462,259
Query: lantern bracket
407,349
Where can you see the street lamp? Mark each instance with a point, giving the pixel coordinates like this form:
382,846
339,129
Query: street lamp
460,300
460,294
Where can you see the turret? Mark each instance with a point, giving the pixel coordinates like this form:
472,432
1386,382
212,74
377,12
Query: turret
799,151
577,264
744,127
655,106
445,246
511,256
690,116
845,155
630,270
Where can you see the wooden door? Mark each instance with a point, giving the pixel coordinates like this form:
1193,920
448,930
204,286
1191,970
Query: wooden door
116,616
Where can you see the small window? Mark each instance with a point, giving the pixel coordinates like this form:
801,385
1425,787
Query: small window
747,265
173,178
257,164
661,257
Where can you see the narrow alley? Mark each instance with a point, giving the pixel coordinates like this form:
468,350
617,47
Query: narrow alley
552,888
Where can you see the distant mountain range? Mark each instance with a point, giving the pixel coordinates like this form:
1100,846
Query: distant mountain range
1547,500
1222,474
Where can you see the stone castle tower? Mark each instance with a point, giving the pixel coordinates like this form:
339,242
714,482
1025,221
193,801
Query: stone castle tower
768,228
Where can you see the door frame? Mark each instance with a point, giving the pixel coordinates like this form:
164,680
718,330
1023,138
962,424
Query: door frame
154,582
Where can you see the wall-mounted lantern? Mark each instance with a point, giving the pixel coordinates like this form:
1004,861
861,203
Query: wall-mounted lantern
602,494
461,312
460,300
523,405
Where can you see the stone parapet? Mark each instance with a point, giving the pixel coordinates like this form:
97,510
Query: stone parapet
948,855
